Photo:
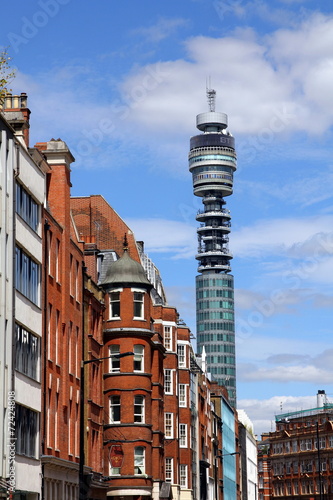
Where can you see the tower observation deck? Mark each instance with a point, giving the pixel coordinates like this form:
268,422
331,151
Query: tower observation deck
212,163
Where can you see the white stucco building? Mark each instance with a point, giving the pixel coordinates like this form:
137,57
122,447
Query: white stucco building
22,193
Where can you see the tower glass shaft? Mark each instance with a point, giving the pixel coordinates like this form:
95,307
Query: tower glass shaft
212,162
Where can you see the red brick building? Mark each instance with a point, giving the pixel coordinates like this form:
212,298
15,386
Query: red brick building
63,326
126,406
299,454
143,392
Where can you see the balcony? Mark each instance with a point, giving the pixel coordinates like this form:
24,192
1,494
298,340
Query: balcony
222,213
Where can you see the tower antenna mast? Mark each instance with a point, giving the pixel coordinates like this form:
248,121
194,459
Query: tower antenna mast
211,96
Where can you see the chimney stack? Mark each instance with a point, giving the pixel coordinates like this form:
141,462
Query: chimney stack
17,114
321,399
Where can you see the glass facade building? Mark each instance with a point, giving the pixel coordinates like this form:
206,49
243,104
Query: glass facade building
212,163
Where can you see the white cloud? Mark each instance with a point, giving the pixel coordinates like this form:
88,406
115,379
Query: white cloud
162,235
286,97
285,374
257,349
154,103
262,412
304,192
303,237
282,236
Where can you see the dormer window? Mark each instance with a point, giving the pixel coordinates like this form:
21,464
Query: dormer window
115,305
138,305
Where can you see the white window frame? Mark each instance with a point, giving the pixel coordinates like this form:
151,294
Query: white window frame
57,261
168,381
169,470
57,337
139,416
114,365
113,405
182,397
49,251
71,276
113,301
322,442
181,351
183,476
76,284
168,425
141,301
139,461
183,435
139,351
167,335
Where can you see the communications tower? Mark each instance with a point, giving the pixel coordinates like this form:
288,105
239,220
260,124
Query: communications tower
212,163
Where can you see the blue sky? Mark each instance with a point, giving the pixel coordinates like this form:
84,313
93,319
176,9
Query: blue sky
122,82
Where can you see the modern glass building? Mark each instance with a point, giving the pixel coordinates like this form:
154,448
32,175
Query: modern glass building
229,452
212,163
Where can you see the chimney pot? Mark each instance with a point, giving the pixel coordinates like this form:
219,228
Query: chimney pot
15,101
24,100
8,101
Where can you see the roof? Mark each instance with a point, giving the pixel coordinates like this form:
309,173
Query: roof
125,270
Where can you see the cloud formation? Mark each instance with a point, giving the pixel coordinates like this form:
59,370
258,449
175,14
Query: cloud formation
263,412
163,235
292,94
295,67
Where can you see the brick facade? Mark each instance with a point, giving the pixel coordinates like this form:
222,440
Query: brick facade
152,407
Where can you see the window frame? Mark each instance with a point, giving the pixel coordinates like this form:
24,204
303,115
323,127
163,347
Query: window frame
181,355
182,395
183,435
167,337
115,409
114,363
57,260
168,381
27,208
115,304
27,276
138,304
141,413
27,352
169,470
139,457
138,358
183,479
27,431
168,425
